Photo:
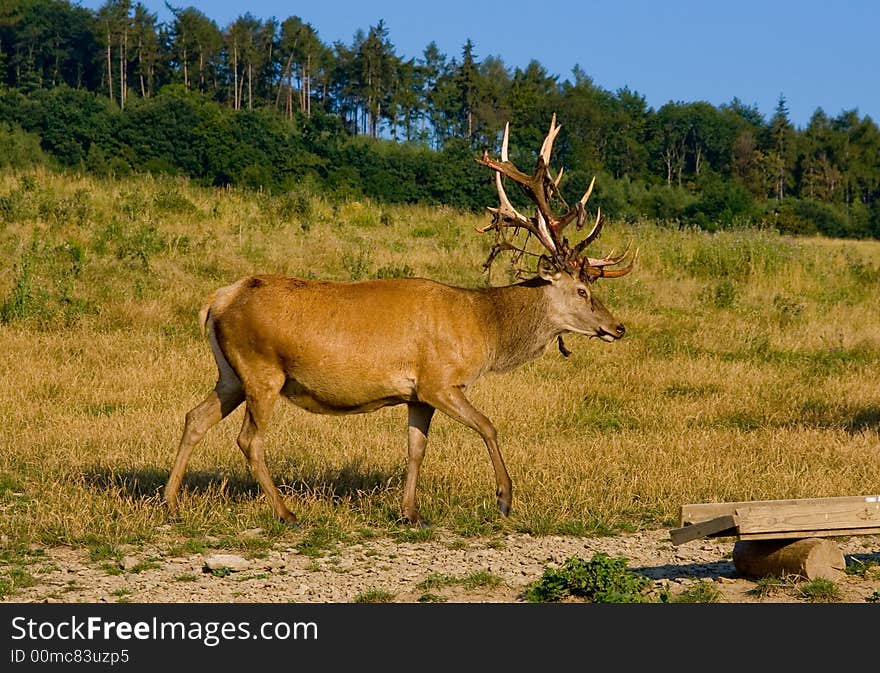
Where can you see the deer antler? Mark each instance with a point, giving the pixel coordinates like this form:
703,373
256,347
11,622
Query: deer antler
541,188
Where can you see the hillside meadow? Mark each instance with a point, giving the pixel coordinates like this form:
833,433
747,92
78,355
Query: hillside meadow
749,371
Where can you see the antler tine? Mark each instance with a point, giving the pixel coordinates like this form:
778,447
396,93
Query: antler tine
544,234
577,211
586,196
559,177
547,145
604,272
594,232
610,259
506,209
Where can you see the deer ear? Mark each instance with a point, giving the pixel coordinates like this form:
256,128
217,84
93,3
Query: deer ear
547,269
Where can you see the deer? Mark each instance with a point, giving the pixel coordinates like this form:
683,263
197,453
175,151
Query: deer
336,347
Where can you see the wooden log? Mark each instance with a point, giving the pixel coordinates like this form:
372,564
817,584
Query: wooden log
808,558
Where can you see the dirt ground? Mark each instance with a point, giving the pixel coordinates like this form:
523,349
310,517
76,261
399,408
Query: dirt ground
397,571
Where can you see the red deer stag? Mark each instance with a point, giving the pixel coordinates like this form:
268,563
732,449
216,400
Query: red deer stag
353,347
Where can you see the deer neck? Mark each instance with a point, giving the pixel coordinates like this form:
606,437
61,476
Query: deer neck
523,328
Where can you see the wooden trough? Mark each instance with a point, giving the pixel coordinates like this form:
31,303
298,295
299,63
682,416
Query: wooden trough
783,537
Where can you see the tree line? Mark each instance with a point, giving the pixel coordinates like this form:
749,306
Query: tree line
266,103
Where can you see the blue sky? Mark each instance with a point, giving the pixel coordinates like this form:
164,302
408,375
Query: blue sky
816,54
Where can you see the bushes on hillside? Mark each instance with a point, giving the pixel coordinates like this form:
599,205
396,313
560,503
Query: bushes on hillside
186,133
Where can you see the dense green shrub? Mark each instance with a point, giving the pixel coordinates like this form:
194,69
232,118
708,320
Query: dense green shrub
20,149
603,579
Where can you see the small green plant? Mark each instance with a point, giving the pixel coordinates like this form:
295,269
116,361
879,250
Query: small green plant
787,310
356,265
480,578
122,595
769,586
24,300
18,577
145,565
319,540
140,244
186,577
601,580
703,591
374,596
103,551
874,597
6,587
174,202
395,271
820,590
409,534
863,568
222,571
291,206
431,598
724,294
423,232
111,568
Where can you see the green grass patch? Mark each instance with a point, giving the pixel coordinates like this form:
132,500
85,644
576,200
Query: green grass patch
111,568
413,534
320,540
766,587
819,590
374,596
476,580
189,547
703,591
145,565
431,598
100,550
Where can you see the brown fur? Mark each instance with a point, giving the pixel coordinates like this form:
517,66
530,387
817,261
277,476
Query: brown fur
340,348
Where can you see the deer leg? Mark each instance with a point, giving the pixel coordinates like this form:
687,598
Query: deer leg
454,404
250,441
222,401
419,419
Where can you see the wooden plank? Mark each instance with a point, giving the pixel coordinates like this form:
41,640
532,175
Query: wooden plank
703,511
761,517
716,526
795,534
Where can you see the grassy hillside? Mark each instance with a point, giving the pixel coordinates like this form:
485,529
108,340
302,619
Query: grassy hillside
749,371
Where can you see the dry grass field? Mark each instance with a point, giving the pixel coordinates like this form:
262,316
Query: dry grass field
749,371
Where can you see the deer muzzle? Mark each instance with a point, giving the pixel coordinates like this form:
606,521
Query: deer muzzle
616,332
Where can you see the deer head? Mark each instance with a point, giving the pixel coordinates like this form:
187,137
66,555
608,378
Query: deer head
563,263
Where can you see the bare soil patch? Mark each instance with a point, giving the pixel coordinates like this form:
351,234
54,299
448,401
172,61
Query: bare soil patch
447,568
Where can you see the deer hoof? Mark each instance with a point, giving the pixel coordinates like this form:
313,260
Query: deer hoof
290,519
414,521
504,507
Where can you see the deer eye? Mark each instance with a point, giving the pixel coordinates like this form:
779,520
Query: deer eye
582,292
